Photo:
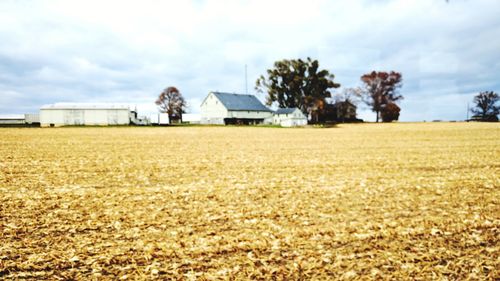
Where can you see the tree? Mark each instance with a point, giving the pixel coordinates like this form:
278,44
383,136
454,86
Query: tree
390,112
380,89
297,83
171,102
486,105
351,95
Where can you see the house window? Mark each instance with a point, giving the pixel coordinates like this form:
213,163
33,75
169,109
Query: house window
248,111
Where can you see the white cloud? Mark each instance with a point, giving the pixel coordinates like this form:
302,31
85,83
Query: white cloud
128,51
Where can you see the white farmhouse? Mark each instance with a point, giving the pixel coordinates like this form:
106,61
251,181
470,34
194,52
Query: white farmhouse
225,108
289,117
68,114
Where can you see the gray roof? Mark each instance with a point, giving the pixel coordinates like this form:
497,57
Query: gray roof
12,116
344,102
64,105
288,110
240,102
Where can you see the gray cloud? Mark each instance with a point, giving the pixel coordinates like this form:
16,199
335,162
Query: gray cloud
116,51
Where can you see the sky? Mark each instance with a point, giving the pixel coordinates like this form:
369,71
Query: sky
129,51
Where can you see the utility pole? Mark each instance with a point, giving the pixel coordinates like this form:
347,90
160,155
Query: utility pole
467,112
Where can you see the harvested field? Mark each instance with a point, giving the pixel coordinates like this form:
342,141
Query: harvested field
369,201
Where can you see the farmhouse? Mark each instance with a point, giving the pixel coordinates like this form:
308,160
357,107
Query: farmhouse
345,110
340,111
68,114
226,108
289,117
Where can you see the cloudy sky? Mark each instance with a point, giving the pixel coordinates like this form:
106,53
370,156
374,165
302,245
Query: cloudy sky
129,51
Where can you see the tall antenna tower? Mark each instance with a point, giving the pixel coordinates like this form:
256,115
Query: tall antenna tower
246,80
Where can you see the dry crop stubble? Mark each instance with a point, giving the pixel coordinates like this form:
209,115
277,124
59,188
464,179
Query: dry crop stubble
370,201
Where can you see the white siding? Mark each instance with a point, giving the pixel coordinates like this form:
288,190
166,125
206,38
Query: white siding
192,118
163,119
293,122
249,114
16,119
75,116
296,118
159,118
48,117
32,118
213,111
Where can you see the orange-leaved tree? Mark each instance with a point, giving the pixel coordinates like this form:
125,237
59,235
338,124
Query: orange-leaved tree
380,89
172,102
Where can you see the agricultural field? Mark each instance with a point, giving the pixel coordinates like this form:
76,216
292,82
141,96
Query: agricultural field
362,201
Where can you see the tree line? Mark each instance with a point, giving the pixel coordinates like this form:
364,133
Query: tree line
302,84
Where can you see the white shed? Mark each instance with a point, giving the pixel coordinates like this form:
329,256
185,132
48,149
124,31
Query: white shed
12,119
31,118
191,118
226,108
159,119
289,117
68,114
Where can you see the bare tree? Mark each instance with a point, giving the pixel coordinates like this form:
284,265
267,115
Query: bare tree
486,105
352,95
171,102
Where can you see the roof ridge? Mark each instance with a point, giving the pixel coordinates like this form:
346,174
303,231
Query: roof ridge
242,102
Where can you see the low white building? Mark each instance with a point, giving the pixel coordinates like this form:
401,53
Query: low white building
31,118
12,119
159,119
289,117
226,108
19,119
71,114
191,118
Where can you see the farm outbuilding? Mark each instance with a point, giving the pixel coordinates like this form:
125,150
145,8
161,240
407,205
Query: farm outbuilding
31,118
19,120
289,117
12,119
191,118
159,119
226,108
66,114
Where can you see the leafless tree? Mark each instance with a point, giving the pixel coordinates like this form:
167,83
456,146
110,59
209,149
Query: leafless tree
486,105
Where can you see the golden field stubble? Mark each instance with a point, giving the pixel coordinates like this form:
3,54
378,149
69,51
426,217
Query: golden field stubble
412,201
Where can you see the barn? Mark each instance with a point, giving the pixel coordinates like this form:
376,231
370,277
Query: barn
226,108
71,114
289,117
